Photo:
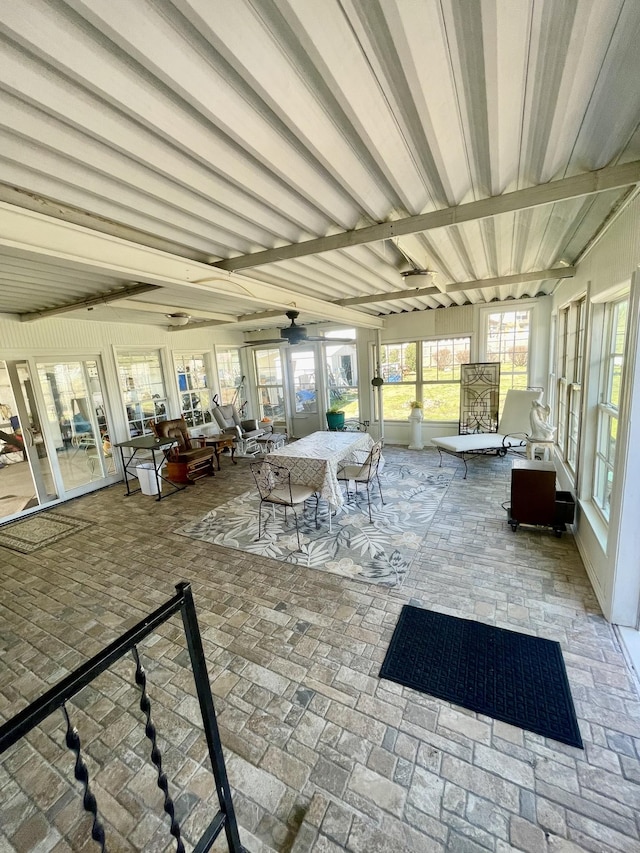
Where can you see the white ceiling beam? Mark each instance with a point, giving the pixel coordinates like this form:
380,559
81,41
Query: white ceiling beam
412,293
100,299
165,308
389,296
612,177
35,235
519,278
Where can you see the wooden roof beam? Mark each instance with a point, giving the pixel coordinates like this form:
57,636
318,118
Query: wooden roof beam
612,177
101,299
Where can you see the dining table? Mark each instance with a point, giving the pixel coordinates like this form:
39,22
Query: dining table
314,460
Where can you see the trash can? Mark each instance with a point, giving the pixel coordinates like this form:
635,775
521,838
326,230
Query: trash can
145,473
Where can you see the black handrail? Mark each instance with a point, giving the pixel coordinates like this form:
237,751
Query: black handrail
56,698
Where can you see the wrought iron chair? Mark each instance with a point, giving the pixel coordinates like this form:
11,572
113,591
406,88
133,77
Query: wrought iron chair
364,472
275,488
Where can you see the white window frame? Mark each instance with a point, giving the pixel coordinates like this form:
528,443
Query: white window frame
489,352
570,360
265,390
607,410
419,389
133,394
229,392
202,393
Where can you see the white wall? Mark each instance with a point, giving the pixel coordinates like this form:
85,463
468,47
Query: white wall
610,553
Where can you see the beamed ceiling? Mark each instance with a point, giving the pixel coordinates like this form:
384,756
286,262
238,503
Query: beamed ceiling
241,158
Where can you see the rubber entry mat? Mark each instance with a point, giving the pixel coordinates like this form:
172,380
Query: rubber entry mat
509,676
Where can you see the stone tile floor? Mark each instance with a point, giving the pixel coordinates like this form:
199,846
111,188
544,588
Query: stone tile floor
322,755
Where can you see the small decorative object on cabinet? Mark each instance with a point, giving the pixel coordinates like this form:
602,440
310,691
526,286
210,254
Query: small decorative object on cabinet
534,499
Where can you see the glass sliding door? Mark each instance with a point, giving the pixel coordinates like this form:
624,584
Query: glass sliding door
54,433
26,477
77,424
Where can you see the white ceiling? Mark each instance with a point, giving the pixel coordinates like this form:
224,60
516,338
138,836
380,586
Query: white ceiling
207,130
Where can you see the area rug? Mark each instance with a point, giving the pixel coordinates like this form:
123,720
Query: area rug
380,552
38,531
509,676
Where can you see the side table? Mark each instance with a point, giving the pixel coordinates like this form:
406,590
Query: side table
546,448
219,443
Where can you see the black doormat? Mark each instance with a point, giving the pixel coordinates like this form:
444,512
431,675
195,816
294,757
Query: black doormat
509,676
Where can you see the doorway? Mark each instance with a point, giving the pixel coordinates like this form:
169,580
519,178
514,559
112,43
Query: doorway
307,412
54,434
26,476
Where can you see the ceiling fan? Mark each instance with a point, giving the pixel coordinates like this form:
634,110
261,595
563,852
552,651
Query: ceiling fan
294,334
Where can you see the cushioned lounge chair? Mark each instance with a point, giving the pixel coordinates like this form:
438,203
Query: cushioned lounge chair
185,463
245,432
513,429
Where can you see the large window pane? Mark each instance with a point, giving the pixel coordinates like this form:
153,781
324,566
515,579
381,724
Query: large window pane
441,360
610,387
195,396
508,342
268,363
143,389
398,369
342,376
230,378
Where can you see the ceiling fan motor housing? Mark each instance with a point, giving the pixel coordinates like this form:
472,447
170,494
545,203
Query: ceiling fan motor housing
294,334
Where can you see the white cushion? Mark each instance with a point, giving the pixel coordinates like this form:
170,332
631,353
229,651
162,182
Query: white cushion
476,441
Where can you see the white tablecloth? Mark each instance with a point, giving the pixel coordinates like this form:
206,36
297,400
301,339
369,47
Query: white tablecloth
314,460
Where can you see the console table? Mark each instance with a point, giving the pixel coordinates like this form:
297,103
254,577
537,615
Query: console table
155,445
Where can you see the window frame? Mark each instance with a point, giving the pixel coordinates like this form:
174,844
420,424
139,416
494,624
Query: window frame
229,393
264,390
489,353
418,389
607,410
201,392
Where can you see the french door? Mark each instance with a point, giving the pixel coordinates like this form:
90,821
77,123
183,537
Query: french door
54,433
307,401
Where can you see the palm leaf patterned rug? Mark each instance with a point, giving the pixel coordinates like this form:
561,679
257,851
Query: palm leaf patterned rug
380,552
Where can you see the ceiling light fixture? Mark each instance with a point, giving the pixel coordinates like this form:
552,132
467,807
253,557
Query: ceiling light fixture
178,319
410,273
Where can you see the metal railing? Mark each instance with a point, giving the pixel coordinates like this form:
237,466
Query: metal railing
56,699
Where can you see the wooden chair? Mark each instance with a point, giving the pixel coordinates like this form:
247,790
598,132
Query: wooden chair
185,463
275,488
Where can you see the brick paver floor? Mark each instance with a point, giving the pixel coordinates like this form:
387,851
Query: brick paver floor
323,756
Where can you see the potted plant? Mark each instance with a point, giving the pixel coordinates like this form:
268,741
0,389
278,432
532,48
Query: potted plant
335,414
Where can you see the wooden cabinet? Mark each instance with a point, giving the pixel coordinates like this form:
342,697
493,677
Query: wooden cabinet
533,493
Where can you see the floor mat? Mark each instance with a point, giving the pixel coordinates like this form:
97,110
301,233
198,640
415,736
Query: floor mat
37,532
509,676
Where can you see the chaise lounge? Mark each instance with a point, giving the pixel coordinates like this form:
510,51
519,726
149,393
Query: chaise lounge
513,430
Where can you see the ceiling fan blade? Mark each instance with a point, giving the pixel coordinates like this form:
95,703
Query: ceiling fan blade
262,343
332,340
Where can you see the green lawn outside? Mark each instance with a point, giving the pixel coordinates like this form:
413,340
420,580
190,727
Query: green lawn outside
440,402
